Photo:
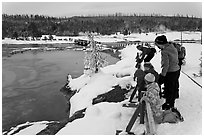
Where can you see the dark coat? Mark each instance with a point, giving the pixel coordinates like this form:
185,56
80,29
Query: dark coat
148,52
140,74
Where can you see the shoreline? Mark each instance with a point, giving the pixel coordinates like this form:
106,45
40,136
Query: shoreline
10,49
26,80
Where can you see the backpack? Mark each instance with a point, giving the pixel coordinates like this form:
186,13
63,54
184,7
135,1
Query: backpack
172,116
181,50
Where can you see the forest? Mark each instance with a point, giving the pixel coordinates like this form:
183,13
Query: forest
14,26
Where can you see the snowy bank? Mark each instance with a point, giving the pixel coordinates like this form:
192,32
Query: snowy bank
189,104
105,118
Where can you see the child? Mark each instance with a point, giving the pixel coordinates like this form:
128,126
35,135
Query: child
139,77
149,68
152,96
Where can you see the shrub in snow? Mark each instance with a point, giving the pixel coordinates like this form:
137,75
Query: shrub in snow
93,61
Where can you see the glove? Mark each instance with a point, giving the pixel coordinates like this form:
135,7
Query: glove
161,79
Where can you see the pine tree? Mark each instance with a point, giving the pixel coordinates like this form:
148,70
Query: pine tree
93,61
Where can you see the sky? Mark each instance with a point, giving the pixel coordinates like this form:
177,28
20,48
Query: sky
68,9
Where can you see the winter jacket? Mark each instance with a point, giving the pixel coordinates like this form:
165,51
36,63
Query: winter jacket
140,74
153,97
147,51
169,61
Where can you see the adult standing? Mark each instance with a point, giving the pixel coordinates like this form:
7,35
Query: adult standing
170,70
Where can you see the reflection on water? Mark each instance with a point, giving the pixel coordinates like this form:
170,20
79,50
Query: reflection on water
31,84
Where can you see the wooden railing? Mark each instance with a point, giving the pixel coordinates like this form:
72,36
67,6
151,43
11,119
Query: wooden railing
144,111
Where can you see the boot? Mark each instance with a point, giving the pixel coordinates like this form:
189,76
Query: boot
166,106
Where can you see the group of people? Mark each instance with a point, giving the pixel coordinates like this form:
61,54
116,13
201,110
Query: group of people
149,81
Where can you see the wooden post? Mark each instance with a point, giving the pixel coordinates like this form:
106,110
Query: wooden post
146,121
181,38
151,129
142,113
133,118
144,109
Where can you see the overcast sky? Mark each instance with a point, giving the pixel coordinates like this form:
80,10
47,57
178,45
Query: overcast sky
68,9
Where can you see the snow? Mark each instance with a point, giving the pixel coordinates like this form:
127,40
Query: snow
33,129
186,35
95,116
94,87
13,41
190,106
189,103
171,35
193,61
105,118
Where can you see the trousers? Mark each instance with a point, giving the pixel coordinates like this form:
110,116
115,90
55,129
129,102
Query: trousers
171,86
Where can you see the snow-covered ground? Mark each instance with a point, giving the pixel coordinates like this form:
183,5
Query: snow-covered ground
105,118
113,38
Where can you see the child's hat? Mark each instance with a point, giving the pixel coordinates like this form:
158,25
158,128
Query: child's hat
150,77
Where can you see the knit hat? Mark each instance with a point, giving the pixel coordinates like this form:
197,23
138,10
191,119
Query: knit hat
161,39
148,65
150,77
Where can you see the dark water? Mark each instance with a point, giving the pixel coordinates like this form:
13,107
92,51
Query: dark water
31,84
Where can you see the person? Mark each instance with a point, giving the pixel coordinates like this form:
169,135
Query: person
152,96
139,76
149,68
147,52
181,53
181,56
170,70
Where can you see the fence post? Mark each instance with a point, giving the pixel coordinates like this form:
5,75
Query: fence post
151,129
142,113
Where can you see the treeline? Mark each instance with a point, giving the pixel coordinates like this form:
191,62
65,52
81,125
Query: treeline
15,26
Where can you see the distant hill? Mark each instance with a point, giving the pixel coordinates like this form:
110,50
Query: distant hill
15,26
